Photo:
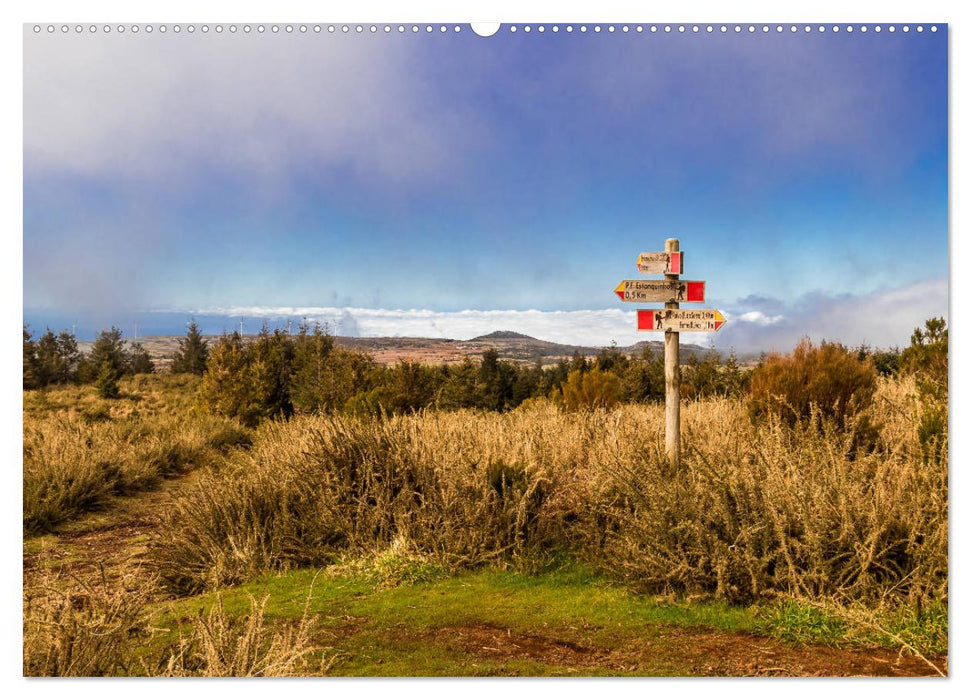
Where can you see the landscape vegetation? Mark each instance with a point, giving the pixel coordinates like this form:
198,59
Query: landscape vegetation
280,504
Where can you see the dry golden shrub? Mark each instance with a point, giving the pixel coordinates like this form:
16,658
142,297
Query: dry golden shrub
222,645
75,461
464,487
829,378
770,509
589,390
80,629
73,628
755,510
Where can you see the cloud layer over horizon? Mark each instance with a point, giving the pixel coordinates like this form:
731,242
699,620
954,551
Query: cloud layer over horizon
882,319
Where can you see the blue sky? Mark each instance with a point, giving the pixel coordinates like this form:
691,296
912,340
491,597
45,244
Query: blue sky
351,176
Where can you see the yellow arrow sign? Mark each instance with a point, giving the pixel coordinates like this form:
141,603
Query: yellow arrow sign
680,320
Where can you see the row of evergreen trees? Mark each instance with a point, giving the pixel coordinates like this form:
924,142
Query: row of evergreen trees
56,359
278,374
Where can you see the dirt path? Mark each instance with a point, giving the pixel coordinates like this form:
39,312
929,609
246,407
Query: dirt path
103,546
695,651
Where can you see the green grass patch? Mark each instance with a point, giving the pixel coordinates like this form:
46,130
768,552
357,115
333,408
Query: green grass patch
444,626
924,629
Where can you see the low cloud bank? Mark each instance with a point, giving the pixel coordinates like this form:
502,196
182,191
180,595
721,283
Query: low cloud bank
882,319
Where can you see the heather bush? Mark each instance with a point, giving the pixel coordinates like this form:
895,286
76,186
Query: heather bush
829,379
589,390
221,645
459,487
75,629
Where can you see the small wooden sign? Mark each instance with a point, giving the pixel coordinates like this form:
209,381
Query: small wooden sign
661,263
640,291
680,320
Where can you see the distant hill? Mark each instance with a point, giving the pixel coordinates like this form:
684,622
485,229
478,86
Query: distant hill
388,350
503,335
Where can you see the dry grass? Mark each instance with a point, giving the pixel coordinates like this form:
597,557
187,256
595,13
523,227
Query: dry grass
72,628
79,451
223,645
757,510
78,629
765,510
463,487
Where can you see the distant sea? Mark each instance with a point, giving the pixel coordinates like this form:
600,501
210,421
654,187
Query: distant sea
87,327
592,327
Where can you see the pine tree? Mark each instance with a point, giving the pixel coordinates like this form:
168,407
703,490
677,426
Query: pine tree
226,388
107,381
139,361
108,348
734,381
30,360
270,362
311,364
67,348
193,352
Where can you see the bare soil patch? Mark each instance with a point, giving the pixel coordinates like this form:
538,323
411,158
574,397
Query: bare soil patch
702,652
103,545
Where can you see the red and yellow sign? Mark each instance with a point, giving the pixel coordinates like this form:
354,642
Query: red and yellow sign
680,320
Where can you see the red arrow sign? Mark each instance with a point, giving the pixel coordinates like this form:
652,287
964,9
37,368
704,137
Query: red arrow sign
660,290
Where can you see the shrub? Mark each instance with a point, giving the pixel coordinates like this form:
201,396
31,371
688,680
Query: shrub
927,356
766,509
223,646
828,378
589,390
317,488
107,382
927,361
75,462
73,629
758,509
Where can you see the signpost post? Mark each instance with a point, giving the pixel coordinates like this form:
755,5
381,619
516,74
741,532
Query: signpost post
673,320
672,378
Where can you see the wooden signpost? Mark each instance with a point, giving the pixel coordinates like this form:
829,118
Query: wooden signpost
672,320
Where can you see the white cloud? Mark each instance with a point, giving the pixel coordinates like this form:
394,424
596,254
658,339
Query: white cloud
593,327
882,318
758,317
160,106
